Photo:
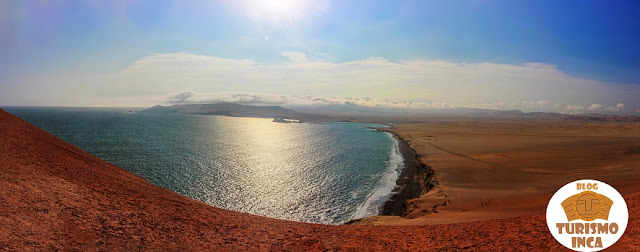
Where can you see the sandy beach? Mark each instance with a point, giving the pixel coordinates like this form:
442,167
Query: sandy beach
57,197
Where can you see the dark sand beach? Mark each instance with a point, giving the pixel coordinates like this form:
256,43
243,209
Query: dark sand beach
414,180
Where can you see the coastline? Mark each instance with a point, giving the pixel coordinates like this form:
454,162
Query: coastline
494,170
58,197
415,179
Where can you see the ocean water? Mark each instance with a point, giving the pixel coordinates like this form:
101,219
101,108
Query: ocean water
310,172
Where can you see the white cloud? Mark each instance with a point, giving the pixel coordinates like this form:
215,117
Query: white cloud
274,99
535,104
595,107
573,109
617,108
296,57
530,86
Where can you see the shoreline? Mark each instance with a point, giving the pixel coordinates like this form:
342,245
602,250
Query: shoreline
375,201
415,179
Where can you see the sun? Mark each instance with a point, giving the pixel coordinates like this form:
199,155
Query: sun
278,11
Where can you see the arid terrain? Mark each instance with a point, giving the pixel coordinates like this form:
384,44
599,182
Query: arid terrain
54,196
486,169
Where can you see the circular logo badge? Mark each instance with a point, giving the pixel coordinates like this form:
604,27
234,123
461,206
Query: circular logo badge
587,215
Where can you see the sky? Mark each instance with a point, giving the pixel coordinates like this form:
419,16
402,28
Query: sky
554,56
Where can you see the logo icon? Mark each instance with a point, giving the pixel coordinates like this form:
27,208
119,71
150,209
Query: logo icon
587,215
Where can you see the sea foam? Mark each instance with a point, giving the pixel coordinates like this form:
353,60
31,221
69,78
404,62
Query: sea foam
387,182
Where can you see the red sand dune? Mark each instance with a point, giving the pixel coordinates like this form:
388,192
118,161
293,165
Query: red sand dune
55,196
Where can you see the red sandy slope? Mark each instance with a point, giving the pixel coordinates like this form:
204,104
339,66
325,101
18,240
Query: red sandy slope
55,196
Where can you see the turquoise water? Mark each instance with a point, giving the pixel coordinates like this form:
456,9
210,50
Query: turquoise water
322,173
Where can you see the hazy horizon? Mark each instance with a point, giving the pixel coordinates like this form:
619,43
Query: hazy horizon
571,57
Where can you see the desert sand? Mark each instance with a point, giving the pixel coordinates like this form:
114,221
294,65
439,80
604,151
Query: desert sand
55,196
488,169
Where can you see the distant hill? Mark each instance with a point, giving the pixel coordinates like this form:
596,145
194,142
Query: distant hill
605,118
235,110
314,114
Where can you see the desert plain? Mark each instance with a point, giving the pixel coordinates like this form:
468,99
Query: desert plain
490,168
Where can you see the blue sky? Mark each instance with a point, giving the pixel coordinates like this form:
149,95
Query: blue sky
594,41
